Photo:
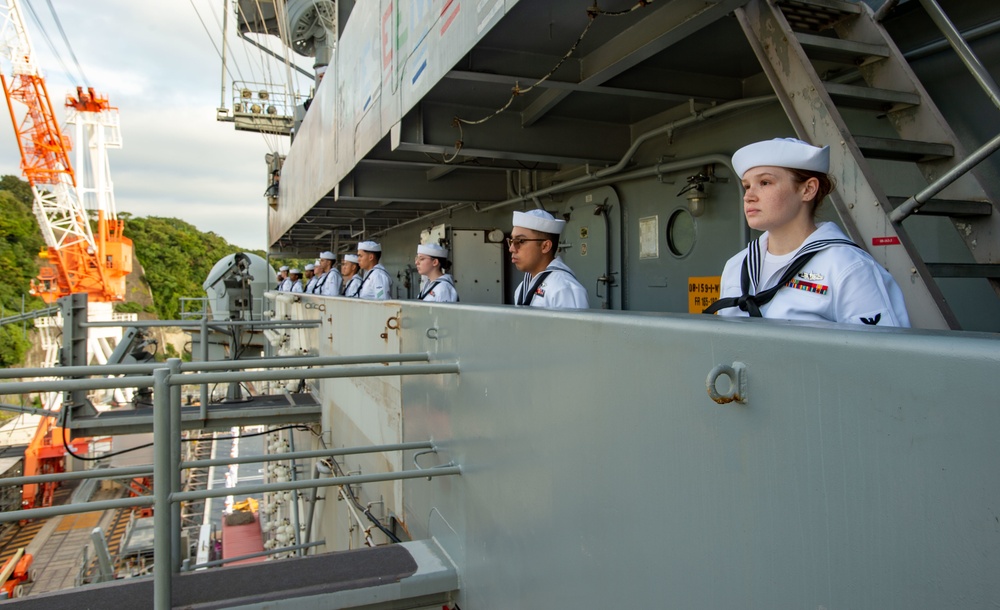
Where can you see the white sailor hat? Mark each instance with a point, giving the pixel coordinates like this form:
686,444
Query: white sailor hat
433,250
330,256
782,152
351,258
294,271
539,220
310,266
370,246
283,268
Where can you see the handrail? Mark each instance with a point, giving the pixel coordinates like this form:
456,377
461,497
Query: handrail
982,76
165,380
147,381
213,365
30,315
914,203
961,47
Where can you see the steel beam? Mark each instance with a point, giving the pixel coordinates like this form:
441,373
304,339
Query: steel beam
366,183
648,94
661,28
431,129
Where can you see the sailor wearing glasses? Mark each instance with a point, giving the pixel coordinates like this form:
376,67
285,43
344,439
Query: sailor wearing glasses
548,282
432,263
376,285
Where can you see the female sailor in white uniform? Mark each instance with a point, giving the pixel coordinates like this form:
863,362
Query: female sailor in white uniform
432,263
798,269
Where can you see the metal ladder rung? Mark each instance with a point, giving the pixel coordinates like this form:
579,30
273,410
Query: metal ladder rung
902,150
964,270
816,15
839,50
868,97
954,208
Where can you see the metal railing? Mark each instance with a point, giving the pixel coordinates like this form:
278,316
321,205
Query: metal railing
988,85
166,381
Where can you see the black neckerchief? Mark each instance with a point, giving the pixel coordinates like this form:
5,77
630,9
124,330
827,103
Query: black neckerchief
751,303
526,298
364,278
319,283
427,290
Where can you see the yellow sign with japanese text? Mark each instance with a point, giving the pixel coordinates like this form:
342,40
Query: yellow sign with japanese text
702,292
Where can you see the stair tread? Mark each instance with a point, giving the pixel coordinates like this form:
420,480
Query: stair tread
837,49
869,95
948,207
903,150
965,270
816,15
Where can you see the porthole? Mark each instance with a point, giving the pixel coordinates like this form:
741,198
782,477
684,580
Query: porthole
681,233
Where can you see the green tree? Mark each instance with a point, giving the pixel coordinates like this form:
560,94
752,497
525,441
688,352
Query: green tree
20,241
177,258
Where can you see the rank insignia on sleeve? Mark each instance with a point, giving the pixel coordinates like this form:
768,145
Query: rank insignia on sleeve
872,321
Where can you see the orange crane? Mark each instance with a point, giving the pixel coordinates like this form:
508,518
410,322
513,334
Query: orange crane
46,454
78,261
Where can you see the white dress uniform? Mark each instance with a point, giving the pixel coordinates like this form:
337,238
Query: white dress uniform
311,284
554,288
317,286
329,285
376,285
285,285
840,283
441,290
297,286
353,286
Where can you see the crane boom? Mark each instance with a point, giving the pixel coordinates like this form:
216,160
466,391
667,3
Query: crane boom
78,261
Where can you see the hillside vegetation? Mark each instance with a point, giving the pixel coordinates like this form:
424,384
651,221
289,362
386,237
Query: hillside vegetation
20,241
175,256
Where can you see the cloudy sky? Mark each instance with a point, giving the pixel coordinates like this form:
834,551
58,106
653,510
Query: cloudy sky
157,64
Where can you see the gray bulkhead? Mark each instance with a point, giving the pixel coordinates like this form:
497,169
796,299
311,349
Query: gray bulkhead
369,159
596,469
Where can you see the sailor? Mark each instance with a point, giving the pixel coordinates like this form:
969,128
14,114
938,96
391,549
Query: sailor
328,283
284,284
349,269
309,277
376,285
547,282
800,269
432,263
295,277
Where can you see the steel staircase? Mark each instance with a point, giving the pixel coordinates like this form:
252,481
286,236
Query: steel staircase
791,38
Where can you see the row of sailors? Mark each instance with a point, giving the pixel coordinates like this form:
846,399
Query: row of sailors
798,269
361,275
323,278
533,245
